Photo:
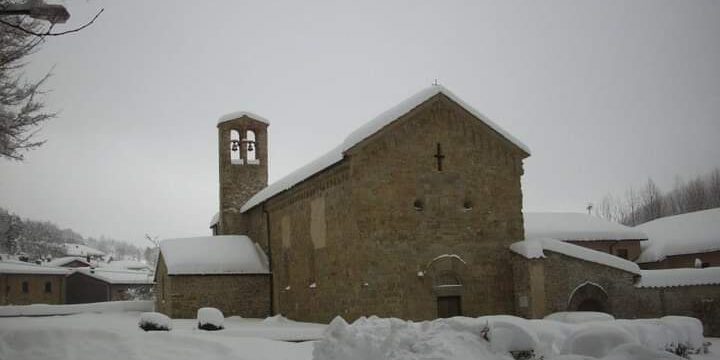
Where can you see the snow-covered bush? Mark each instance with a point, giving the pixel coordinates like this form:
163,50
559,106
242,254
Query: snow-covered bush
154,321
688,332
511,334
597,339
210,319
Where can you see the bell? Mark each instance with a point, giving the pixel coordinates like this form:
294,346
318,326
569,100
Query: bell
234,147
250,147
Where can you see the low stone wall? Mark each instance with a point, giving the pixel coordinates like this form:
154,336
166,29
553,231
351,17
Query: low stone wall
702,302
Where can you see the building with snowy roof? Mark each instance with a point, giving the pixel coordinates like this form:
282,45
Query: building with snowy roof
68,261
81,250
585,230
417,214
91,285
682,241
24,283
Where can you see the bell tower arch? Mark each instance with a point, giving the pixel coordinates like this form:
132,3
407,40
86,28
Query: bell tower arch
243,164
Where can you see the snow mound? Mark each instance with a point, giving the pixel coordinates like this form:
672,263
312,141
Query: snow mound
597,340
576,227
532,249
510,334
578,317
688,331
276,320
155,321
690,233
638,352
210,319
388,338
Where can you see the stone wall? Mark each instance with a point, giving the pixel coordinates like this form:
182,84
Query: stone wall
702,302
180,296
363,230
711,258
12,289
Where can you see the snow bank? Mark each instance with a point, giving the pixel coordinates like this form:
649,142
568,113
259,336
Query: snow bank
365,131
597,340
224,254
154,321
578,317
509,333
532,249
690,233
679,277
101,307
576,227
388,338
688,331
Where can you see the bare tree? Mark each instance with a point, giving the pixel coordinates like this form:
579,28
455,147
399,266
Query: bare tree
652,202
713,189
695,195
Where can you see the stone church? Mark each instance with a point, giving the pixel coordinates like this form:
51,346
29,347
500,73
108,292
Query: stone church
413,216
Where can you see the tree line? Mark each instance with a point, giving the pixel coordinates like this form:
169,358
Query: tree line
640,205
43,239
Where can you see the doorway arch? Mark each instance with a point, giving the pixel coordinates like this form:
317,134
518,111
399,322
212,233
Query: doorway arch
589,296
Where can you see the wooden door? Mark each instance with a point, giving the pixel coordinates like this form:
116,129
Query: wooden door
448,306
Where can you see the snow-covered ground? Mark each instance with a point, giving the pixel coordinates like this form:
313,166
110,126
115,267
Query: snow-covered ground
116,335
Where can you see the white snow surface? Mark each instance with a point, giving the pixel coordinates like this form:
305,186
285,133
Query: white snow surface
125,264
579,317
690,233
529,249
679,277
597,340
210,315
21,267
576,227
239,114
223,254
67,309
368,129
118,276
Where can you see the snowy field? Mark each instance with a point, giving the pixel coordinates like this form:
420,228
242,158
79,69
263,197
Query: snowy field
116,335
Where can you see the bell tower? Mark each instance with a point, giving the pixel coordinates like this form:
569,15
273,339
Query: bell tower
243,156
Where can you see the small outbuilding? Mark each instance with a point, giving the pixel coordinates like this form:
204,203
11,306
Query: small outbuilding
228,272
89,285
25,283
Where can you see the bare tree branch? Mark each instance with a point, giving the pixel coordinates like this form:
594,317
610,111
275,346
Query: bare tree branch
49,30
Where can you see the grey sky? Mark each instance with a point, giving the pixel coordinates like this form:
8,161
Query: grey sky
605,93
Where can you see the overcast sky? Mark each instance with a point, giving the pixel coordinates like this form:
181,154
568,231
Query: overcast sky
605,93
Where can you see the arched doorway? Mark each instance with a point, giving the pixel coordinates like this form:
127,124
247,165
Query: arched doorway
589,296
446,272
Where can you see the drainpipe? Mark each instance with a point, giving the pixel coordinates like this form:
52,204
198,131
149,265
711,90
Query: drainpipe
269,255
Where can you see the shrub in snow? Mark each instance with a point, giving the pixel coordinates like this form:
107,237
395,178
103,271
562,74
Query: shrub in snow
153,321
210,319
688,332
510,334
597,340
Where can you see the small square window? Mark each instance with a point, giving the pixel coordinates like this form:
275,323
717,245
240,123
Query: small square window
25,287
48,287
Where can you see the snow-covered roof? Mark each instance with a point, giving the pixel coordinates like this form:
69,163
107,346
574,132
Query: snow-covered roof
62,261
365,131
124,264
690,233
534,249
81,250
224,254
118,276
239,114
679,277
215,219
576,227
19,267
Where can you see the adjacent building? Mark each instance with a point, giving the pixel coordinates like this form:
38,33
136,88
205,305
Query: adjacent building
89,285
24,283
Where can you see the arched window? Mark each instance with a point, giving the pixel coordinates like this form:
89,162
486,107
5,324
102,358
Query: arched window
251,148
235,157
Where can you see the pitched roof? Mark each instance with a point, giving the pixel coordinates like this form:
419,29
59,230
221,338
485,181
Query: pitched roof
690,233
239,114
19,267
534,249
576,227
117,276
62,261
224,254
368,129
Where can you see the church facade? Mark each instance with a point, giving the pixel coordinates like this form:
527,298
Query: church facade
413,220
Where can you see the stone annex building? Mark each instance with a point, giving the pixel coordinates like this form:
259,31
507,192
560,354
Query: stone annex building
417,215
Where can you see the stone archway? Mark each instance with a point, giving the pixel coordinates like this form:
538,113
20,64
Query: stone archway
446,272
589,296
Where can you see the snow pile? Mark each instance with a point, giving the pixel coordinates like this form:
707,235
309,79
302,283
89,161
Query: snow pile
210,319
388,338
154,321
532,249
690,233
597,340
576,227
276,320
100,307
509,334
368,129
679,277
225,254
578,317
688,331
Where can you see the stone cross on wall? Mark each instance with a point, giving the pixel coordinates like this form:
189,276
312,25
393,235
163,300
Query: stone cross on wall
439,156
